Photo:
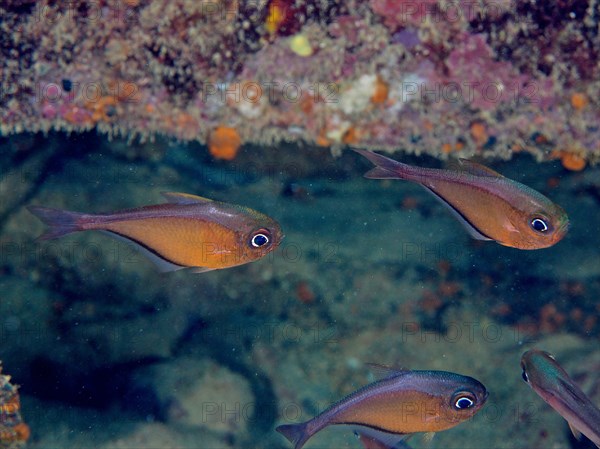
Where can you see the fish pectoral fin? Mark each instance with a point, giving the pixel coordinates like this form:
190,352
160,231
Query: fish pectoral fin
477,169
381,372
376,438
428,436
224,251
184,198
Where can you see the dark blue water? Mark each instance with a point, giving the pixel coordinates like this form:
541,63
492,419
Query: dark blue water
111,353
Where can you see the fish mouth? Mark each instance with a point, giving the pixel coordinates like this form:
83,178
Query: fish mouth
485,397
562,231
280,238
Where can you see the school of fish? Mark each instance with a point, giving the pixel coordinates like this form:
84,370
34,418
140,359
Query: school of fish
202,235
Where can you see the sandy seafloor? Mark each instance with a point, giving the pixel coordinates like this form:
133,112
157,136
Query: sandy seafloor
111,354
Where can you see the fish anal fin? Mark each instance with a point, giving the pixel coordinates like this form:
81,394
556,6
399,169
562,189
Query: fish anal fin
385,372
184,198
477,169
378,439
200,269
162,264
472,230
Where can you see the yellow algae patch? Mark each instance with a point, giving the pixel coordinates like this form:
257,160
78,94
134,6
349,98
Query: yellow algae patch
301,45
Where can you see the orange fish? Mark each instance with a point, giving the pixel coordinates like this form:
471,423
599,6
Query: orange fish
402,403
489,206
187,232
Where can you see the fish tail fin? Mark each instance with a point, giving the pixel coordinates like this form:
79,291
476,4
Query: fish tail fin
60,222
380,173
296,433
386,168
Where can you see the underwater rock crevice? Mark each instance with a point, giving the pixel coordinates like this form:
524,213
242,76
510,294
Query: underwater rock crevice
198,340
98,387
29,169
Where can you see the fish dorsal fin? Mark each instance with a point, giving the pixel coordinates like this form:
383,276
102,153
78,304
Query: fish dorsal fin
381,372
184,198
576,433
477,169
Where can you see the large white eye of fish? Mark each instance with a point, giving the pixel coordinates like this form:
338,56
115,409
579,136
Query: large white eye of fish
539,224
463,401
260,238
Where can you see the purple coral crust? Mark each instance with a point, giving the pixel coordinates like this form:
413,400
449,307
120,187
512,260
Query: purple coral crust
182,67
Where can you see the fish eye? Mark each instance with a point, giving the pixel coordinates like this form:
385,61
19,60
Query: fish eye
463,402
260,238
525,376
539,225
